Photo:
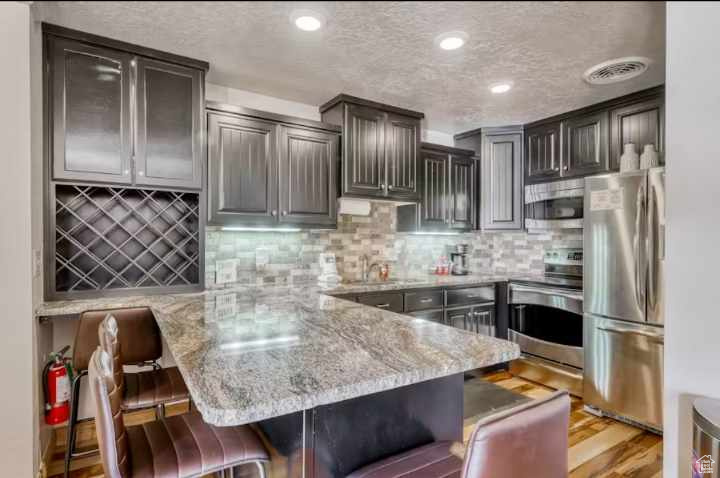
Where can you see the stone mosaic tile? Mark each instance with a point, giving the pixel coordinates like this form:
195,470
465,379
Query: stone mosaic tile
288,258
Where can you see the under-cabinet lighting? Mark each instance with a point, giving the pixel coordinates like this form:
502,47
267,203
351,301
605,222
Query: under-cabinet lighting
260,229
430,233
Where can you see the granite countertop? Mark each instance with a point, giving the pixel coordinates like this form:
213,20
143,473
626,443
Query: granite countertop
251,353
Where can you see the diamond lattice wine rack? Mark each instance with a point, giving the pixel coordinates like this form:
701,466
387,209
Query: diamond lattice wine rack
109,238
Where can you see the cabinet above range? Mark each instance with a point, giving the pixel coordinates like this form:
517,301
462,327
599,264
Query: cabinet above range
272,170
122,114
380,147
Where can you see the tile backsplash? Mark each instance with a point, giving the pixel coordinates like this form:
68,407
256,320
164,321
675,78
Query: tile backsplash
292,257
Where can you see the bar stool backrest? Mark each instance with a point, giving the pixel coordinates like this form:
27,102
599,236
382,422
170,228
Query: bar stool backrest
111,434
529,440
108,336
137,332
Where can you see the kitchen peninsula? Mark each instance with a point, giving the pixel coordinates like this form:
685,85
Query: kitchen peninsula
308,366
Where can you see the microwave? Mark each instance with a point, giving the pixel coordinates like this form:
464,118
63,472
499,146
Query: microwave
556,205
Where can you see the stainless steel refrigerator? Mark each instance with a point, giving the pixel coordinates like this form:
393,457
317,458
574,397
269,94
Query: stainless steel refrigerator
624,251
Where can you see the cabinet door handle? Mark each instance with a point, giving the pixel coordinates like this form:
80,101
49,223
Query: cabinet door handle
284,213
382,185
274,212
556,169
391,187
141,173
126,172
565,168
382,306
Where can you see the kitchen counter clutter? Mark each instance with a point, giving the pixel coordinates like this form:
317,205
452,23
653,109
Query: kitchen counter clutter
248,354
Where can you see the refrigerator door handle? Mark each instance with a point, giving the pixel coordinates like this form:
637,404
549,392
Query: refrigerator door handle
638,239
659,338
651,249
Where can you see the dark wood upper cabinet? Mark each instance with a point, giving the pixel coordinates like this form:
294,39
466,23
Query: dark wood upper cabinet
89,96
542,152
364,152
585,143
380,145
242,170
122,114
402,137
448,192
268,170
501,201
434,197
640,123
591,140
463,196
308,170
169,138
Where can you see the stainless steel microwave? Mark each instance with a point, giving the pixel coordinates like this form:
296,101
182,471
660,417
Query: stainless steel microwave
556,205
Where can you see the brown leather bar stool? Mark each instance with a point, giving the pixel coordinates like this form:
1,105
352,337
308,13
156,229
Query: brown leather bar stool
138,329
181,446
528,441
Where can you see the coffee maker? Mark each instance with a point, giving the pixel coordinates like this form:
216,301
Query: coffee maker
459,260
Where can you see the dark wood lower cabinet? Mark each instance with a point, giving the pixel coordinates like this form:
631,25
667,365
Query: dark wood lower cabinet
390,301
469,308
436,315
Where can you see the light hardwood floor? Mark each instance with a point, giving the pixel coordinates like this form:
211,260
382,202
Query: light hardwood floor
598,447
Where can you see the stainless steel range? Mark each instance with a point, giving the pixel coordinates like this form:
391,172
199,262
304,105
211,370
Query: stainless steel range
546,320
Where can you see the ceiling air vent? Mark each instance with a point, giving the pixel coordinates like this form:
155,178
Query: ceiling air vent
619,69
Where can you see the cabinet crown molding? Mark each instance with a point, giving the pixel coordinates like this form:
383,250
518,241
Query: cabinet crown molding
343,98
77,35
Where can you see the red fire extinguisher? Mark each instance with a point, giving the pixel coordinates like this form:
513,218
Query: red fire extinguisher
57,375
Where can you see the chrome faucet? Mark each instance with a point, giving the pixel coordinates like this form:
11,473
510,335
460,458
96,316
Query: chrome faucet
367,268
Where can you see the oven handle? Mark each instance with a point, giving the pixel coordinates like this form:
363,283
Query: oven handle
543,291
621,330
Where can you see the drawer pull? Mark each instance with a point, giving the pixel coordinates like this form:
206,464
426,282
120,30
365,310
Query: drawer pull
382,306
426,300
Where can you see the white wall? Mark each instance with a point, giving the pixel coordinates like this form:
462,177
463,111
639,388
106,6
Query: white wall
257,101
17,412
692,337
437,137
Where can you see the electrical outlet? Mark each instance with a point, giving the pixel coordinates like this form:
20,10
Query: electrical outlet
226,271
36,263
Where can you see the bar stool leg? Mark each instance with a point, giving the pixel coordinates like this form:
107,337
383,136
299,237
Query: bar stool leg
72,423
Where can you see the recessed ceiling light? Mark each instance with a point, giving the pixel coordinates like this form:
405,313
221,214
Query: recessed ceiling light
307,20
451,40
499,88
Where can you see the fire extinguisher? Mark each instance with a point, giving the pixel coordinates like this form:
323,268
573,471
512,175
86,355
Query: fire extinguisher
57,376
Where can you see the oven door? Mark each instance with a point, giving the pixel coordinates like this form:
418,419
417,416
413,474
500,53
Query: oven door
547,323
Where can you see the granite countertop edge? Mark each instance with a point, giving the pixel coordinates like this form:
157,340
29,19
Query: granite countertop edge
308,401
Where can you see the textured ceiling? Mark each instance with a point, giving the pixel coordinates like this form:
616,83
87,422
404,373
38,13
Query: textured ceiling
384,51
